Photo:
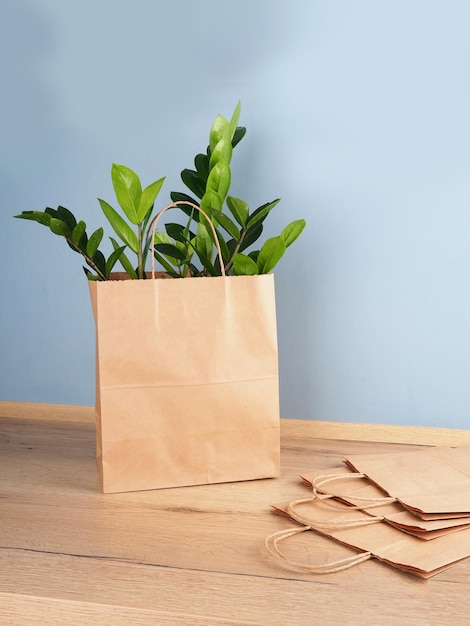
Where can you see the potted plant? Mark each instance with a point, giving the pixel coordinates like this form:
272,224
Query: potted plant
187,381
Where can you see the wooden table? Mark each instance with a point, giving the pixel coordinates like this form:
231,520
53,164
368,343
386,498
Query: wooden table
71,555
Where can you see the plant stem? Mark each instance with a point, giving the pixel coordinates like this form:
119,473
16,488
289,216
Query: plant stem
140,267
88,259
237,248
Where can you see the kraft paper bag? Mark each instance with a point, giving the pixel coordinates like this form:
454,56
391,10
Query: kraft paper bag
368,497
372,540
432,483
186,381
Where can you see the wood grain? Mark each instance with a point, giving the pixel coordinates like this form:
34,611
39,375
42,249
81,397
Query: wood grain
72,555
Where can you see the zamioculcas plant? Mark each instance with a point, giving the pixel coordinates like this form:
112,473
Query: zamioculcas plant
183,249
137,206
210,183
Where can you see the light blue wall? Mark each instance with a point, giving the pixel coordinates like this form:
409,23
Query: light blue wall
358,117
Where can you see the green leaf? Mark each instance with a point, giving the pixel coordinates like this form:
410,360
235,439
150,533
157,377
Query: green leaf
261,212
254,254
121,228
227,224
193,182
238,209
201,162
206,262
128,191
210,202
270,253
77,234
238,136
94,242
244,266
66,216
170,250
203,242
113,259
220,131
89,275
164,263
252,235
234,120
147,198
292,231
100,261
123,259
36,216
179,232
177,196
59,227
219,180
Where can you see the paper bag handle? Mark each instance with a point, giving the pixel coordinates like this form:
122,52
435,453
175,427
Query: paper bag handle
326,496
332,524
174,205
328,568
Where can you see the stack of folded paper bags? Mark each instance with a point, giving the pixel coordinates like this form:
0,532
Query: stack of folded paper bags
408,509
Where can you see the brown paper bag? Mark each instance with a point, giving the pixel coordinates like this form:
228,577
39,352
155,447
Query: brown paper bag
433,482
364,495
371,540
186,381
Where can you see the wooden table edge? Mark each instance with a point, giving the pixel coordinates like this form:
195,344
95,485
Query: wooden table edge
311,429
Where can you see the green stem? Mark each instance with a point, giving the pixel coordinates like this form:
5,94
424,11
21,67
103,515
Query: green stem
140,265
88,259
237,248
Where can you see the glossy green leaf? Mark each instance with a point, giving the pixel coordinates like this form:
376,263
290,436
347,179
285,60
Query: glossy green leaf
193,182
128,191
59,227
179,232
238,209
36,216
170,250
124,260
262,212
254,254
100,261
177,196
165,264
234,119
270,253
210,202
206,262
222,152
121,228
66,216
147,199
94,242
238,136
203,242
219,179
292,231
201,162
77,234
244,266
227,224
89,275
252,235
220,130
113,259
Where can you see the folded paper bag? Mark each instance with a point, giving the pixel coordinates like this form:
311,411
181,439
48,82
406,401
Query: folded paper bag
368,497
430,482
372,540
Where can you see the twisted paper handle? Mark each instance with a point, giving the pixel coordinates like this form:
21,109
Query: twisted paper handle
328,568
309,524
174,205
